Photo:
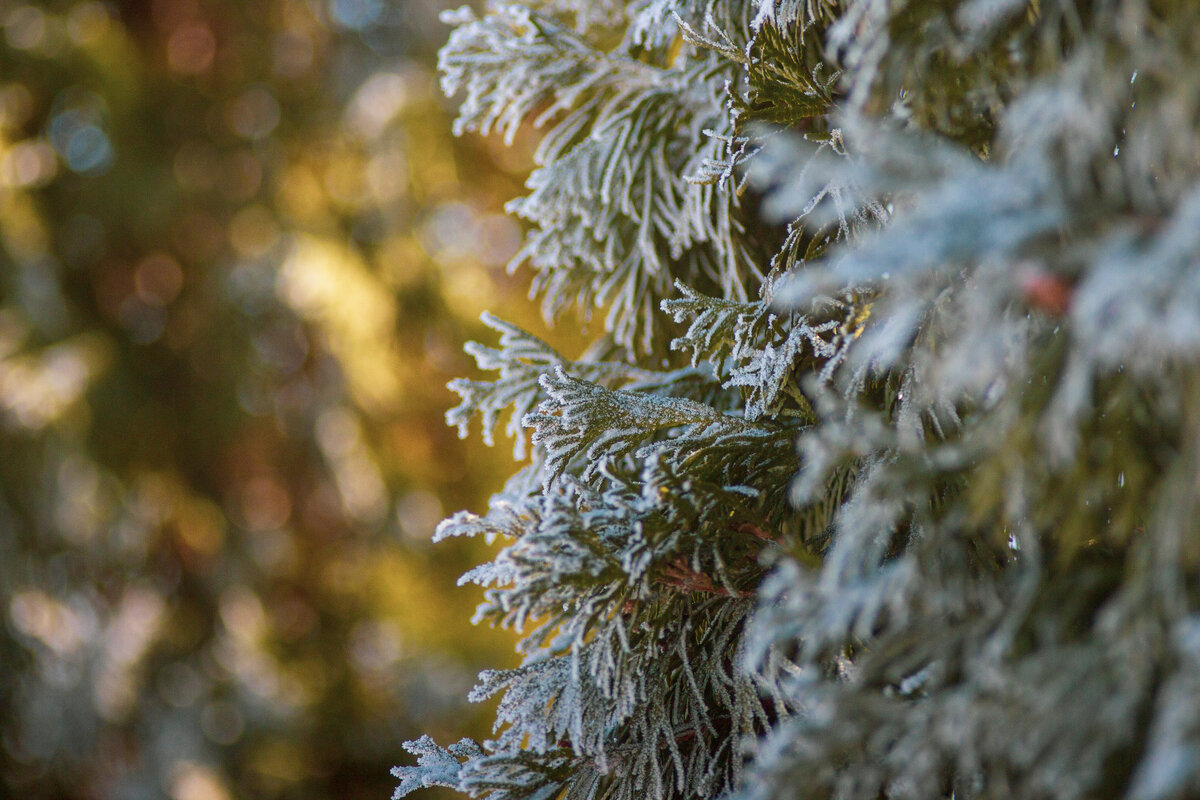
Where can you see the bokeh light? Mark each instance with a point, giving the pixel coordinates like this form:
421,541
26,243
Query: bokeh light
239,257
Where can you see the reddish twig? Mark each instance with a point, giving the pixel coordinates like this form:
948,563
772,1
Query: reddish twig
678,575
756,532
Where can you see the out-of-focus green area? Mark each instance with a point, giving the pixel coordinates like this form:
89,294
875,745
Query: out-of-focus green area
240,254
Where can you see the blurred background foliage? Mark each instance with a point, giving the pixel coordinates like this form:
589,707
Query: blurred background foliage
240,255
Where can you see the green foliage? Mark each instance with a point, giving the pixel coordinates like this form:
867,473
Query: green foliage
962,271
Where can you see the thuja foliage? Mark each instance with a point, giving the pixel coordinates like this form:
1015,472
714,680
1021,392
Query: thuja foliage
884,480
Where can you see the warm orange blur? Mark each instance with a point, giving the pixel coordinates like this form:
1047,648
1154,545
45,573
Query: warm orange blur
240,256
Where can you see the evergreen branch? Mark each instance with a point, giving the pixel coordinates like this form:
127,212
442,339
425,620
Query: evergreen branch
436,766
579,418
522,360
515,63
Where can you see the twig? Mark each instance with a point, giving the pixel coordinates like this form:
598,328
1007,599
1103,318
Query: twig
756,532
678,575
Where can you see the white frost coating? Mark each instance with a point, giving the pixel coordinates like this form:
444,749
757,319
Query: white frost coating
975,575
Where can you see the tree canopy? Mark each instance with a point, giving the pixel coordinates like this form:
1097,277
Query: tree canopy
228,236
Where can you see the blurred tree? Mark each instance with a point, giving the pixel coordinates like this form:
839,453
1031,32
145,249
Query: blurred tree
227,230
